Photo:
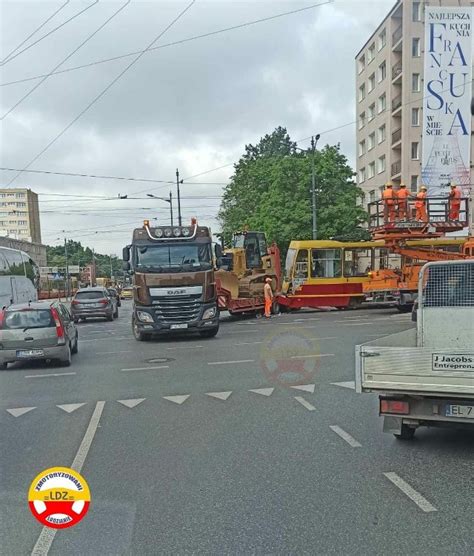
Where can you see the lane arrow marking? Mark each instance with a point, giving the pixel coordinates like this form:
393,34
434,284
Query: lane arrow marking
305,387
20,411
263,391
70,407
219,395
177,399
131,403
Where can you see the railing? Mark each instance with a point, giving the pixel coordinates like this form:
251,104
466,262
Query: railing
397,70
397,35
396,167
437,213
396,136
396,102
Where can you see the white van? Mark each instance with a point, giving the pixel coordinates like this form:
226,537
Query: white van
19,277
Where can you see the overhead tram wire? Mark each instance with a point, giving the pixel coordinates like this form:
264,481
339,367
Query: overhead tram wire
175,43
49,33
102,93
34,32
85,41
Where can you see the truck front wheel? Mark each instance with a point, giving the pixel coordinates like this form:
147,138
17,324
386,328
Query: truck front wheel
407,433
138,334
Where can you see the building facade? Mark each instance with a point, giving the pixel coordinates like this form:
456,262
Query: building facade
19,215
389,99
36,251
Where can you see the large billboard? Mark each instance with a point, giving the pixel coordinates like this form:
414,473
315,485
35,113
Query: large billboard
447,96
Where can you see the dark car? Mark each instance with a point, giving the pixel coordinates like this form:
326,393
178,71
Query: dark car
115,294
93,303
41,330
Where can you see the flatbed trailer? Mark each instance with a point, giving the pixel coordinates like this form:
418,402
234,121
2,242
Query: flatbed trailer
237,305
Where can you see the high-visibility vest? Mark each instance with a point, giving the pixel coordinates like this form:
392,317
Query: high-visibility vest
455,196
420,199
389,196
403,194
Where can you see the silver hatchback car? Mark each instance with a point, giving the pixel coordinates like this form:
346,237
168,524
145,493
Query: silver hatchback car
93,302
41,330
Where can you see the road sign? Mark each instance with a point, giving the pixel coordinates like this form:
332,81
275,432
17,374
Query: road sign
74,269
45,270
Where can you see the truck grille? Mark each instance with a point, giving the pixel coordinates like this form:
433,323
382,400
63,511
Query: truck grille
177,309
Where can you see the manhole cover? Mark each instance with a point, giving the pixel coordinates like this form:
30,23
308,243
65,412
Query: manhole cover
160,360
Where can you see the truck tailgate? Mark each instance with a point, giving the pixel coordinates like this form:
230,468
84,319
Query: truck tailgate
395,364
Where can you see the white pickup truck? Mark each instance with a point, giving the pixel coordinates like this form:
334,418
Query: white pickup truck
425,376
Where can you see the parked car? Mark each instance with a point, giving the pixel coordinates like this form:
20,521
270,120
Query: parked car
93,302
39,330
127,293
115,294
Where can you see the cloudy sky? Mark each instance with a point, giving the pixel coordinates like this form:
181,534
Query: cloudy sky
191,106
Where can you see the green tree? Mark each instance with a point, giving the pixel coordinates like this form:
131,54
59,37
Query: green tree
270,191
83,256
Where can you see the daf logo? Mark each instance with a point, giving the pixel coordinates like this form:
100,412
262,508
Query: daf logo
175,292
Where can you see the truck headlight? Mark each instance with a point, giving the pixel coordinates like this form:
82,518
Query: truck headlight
144,317
209,313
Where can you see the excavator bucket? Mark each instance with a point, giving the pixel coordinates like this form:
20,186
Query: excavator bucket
229,281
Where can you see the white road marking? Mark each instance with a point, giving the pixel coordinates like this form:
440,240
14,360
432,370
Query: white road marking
304,403
52,374
185,347
345,436
113,352
356,323
349,384
177,399
247,343
70,407
312,355
231,362
131,403
415,496
20,411
263,391
304,320
219,395
145,368
46,538
305,387
101,339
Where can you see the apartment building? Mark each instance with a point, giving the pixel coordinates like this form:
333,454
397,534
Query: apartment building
19,215
389,98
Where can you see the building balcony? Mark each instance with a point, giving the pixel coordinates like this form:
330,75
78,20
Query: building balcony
396,136
397,70
396,103
396,168
397,39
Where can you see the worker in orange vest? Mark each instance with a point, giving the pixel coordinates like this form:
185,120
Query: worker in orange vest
389,203
268,296
402,197
420,205
454,202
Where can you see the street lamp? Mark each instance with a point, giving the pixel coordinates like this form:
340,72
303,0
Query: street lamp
314,142
167,200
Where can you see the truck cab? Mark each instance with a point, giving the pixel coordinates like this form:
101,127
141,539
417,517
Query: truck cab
172,272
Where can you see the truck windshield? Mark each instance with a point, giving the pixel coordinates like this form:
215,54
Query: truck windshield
174,257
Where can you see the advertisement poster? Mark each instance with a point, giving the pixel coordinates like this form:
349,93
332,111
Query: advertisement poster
447,93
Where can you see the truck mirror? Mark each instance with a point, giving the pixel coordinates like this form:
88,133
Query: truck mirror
126,266
126,254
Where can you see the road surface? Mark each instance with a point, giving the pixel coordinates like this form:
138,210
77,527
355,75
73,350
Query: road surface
251,442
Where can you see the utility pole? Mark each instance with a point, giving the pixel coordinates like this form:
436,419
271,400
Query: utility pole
178,181
92,268
67,270
314,142
171,208
111,268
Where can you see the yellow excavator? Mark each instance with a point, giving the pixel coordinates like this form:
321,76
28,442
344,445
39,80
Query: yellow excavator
244,266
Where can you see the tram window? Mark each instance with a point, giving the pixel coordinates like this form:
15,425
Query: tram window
326,263
290,258
356,262
301,267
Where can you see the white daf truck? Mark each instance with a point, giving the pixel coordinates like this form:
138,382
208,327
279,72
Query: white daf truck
425,376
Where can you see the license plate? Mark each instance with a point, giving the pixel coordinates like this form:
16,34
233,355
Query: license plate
464,411
178,326
30,353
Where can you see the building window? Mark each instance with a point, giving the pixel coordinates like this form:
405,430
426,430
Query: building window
362,92
22,223
20,195
362,148
415,151
371,173
361,122
416,11
382,39
361,63
382,71
371,86
371,115
382,103
415,116
371,144
415,83
372,195
20,204
381,164
11,194
382,133
414,183
415,47
361,175
371,53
